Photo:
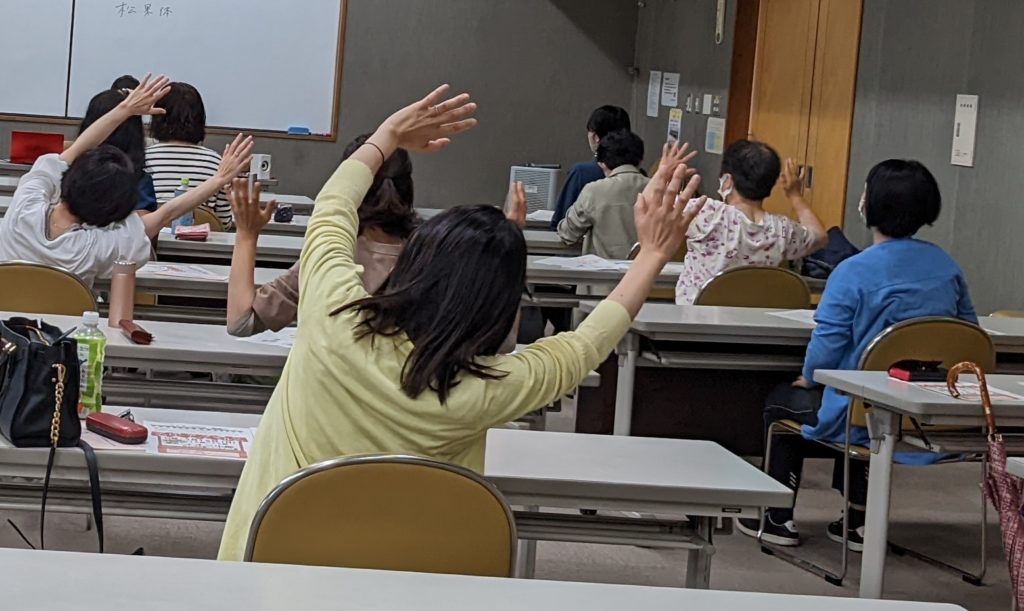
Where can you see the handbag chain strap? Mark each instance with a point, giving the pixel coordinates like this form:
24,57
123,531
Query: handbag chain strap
58,393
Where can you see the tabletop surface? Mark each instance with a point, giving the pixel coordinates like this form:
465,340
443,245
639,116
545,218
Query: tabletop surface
1015,466
879,389
669,321
285,198
108,581
670,470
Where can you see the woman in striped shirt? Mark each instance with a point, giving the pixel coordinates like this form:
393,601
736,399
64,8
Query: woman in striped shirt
178,153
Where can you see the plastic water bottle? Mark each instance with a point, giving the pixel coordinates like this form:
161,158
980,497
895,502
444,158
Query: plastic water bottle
92,346
185,220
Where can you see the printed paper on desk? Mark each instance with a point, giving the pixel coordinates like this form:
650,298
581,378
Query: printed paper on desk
805,316
180,270
543,216
285,338
592,263
198,440
970,391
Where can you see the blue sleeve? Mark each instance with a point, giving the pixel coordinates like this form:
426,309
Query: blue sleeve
833,336
570,193
964,305
147,194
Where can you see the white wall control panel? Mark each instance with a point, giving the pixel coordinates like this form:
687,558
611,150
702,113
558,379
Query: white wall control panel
965,124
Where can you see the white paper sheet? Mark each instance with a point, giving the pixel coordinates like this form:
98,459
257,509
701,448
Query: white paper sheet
653,91
541,215
804,316
970,391
714,141
285,338
591,263
670,90
180,270
198,440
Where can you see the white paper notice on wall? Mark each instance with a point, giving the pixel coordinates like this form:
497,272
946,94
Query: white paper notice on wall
675,124
670,90
714,141
653,92
965,124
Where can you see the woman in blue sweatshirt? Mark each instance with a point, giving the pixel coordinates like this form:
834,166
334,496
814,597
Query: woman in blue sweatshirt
896,279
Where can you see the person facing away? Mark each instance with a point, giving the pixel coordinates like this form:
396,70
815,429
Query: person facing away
179,152
603,121
386,219
414,368
77,210
129,137
898,278
737,231
602,217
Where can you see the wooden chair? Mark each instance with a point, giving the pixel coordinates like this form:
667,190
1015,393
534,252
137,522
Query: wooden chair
948,340
35,288
397,513
756,287
202,214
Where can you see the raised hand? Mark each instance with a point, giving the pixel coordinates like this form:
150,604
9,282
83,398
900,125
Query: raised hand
673,154
515,204
236,158
141,100
427,125
250,216
792,180
662,213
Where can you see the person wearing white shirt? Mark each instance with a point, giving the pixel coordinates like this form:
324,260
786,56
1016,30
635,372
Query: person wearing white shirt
76,210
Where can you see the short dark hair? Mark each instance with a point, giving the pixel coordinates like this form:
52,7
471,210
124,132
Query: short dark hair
129,137
100,187
185,119
901,197
621,147
125,82
455,293
388,204
608,119
754,167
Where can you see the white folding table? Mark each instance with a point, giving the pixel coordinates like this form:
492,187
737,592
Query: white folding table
891,400
698,480
100,582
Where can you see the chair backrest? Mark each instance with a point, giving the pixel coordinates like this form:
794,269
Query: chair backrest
756,287
949,340
35,288
398,513
1008,314
202,214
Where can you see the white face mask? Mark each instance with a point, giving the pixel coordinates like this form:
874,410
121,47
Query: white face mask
862,207
592,142
725,193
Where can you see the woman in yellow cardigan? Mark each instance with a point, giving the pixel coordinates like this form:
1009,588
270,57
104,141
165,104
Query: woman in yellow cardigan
414,368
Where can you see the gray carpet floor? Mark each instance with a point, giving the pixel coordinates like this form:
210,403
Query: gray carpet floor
935,510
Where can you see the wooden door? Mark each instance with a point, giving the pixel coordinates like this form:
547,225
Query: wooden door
803,93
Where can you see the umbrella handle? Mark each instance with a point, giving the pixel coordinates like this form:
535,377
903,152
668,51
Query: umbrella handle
986,400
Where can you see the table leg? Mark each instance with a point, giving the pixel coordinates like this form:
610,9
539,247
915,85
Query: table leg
628,352
698,561
884,428
526,555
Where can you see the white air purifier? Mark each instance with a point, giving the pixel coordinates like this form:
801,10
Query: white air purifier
539,184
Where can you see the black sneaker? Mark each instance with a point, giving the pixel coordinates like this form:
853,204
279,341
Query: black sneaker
784,535
855,536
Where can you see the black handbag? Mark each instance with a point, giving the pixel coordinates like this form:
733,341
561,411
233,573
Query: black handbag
39,392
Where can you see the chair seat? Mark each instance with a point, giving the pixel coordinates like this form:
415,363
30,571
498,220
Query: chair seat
859,452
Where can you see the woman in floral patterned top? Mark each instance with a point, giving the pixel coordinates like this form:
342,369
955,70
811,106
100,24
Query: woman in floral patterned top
737,231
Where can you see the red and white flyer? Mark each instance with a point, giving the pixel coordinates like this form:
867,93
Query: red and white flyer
199,440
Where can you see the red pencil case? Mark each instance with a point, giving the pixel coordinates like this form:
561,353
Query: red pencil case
121,430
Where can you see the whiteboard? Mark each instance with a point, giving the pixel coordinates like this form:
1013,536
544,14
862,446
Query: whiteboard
34,45
259,64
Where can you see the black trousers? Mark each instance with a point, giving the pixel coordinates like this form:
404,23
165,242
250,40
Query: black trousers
787,402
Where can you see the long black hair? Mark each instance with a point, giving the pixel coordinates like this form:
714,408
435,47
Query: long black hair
454,292
129,137
388,204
